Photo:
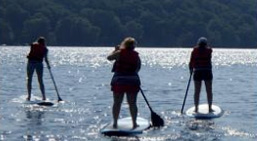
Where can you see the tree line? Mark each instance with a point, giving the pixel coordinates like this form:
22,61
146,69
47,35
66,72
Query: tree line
165,23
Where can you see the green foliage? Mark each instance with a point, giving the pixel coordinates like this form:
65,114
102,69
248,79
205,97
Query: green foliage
6,33
76,31
166,23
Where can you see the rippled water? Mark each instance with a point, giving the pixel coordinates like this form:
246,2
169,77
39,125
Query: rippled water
83,76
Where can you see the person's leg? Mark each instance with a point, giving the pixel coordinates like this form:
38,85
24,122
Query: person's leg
132,101
208,85
117,101
30,71
197,94
39,69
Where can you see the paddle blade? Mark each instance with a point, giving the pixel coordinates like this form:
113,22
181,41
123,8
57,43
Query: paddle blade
59,99
157,121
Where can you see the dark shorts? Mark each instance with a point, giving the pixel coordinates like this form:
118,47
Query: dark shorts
125,83
35,65
200,75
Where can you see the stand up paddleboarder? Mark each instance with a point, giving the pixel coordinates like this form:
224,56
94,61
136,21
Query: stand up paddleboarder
125,78
200,64
38,52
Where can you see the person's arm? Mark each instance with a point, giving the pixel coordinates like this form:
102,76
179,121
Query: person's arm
139,65
211,56
114,55
46,60
211,52
191,62
28,55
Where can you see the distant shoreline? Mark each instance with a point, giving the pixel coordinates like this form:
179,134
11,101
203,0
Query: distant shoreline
137,47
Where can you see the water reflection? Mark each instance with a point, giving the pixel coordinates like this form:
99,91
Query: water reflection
200,125
35,117
34,124
83,76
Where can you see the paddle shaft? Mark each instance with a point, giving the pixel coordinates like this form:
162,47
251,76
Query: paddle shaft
57,92
188,84
157,121
146,100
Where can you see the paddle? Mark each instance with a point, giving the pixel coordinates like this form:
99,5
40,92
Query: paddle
52,77
157,121
188,84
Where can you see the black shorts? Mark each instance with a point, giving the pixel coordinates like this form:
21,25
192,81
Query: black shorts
125,79
200,75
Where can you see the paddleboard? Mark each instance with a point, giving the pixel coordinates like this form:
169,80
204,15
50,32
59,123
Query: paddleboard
35,100
40,102
125,127
203,112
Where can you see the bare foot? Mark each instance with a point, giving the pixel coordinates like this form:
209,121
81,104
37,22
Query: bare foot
135,126
196,111
211,110
115,126
28,98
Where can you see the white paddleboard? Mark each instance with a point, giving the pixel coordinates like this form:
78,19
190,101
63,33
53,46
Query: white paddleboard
203,112
125,127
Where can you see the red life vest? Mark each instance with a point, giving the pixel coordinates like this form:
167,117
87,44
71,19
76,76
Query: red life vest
37,52
201,58
127,62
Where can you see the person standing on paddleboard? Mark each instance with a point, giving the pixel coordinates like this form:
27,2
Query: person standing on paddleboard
125,78
200,64
38,52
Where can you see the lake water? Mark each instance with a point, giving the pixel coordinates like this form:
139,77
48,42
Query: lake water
83,76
